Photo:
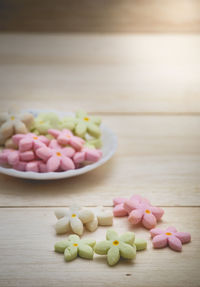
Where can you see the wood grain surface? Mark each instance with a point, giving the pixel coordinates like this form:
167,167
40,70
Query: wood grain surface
146,89
111,16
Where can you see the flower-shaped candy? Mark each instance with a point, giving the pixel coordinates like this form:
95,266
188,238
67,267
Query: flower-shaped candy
66,137
86,124
45,121
118,203
102,218
11,123
72,219
74,246
9,156
171,237
57,158
115,246
143,211
29,141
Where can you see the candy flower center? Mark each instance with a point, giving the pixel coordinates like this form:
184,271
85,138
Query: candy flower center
12,118
41,122
73,215
68,136
168,233
147,211
86,119
116,242
75,244
58,153
35,138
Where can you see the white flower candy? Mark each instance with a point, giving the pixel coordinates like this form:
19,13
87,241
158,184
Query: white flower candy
72,219
75,218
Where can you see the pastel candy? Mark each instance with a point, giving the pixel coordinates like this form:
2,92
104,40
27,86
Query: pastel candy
74,219
116,246
32,166
73,246
170,236
27,155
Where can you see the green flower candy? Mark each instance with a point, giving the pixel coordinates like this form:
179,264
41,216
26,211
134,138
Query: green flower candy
74,246
43,122
119,246
86,124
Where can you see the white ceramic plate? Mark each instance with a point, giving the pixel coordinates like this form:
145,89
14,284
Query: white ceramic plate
109,147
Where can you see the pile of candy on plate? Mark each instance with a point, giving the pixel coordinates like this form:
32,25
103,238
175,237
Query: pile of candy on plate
47,143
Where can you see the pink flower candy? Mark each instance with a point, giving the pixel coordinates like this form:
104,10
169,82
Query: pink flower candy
66,137
55,159
118,203
87,155
30,141
140,210
170,236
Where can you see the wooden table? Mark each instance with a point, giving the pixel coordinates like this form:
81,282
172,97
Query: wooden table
147,89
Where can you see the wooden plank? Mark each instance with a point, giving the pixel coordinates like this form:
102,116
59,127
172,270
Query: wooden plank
100,16
158,155
27,256
101,73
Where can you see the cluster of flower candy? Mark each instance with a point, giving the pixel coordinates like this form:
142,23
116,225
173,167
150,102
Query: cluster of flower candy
48,149
137,208
140,210
74,220
82,125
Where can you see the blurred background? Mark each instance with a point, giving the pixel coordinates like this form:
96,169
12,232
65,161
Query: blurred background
136,56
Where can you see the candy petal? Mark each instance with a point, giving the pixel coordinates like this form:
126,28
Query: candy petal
113,255
27,119
74,238
76,225
135,216
92,225
85,251
130,205
44,153
62,225
105,217
79,157
53,163
66,163
127,251
68,151
160,241
102,247
61,246
13,157
6,129
157,212
80,129
70,253
92,155
149,220
17,138
184,237
89,241
111,234
119,210
27,155
59,213
156,231
20,127
94,130
174,243
76,143
25,144
128,237
140,244
86,215
54,133
32,166
171,229
118,200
